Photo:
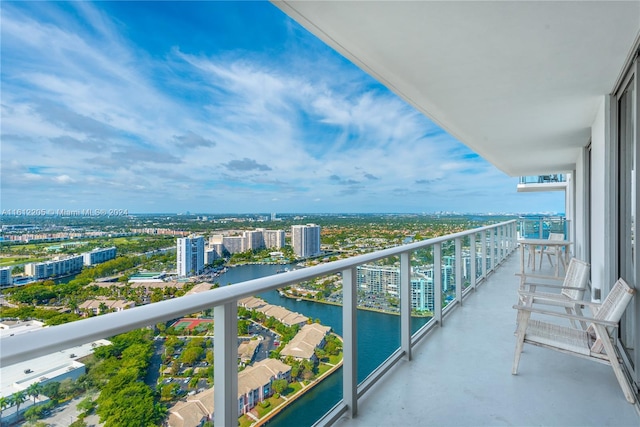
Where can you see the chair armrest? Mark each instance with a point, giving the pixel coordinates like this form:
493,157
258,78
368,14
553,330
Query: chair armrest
540,276
605,323
534,295
552,286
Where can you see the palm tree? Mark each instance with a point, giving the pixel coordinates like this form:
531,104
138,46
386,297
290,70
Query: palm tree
17,399
4,403
34,390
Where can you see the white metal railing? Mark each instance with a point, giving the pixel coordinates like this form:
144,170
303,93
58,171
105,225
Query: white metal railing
495,243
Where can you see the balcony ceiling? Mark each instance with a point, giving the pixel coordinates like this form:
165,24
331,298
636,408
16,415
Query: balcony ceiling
517,82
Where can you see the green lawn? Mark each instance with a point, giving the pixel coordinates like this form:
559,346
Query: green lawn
15,260
322,368
245,421
334,360
293,389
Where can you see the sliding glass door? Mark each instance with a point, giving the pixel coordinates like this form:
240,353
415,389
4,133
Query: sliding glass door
627,207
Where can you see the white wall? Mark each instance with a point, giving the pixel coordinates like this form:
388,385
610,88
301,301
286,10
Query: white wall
598,205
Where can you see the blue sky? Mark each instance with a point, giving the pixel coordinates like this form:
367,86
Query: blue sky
216,107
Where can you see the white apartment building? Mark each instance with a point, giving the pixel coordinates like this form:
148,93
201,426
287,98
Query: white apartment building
99,255
190,255
380,280
233,244
55,267
253,239
5,276
273,238
305,240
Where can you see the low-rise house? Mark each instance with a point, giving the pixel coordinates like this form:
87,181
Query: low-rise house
281,314
304,344
254,383
247,350
99,304
197,409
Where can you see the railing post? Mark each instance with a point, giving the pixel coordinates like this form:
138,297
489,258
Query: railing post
458,258
437,282
350,341
473,260
405,304
540,231
225,347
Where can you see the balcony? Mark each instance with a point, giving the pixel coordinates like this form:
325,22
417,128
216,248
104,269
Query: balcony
460,375
454,370
553,182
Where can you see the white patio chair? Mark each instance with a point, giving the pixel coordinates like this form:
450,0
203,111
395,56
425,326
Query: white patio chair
574,284
594,343
548,251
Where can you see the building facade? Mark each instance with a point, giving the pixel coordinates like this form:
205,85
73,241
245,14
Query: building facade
190,255
98,255
305,240
5,276
385,280
55,267
273,238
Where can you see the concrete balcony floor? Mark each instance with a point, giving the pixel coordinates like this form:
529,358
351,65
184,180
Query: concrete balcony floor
460,375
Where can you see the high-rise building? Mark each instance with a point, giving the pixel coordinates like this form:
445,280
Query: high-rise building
190,255
381,280
305,240
273,238
233,244
253,239
5,276
99,255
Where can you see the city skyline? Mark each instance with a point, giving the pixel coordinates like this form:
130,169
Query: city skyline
217,107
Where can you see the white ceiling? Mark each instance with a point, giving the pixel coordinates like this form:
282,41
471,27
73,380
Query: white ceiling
518,82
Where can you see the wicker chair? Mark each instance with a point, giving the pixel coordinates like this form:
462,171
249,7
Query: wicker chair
551,251
594,343
572,289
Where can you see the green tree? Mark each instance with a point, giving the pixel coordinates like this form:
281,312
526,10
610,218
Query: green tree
34,390
17,399
4,404
190,355
51,390
87,405
132,405
279,386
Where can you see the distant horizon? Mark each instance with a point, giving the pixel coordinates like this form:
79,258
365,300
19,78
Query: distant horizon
216,106
6,214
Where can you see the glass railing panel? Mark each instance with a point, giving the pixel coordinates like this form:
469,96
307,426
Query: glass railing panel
311,309
448,272
422,287
86,380
466,261
539,227
478,256
542,179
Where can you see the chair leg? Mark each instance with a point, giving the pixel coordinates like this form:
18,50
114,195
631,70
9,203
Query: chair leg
523,321
615,363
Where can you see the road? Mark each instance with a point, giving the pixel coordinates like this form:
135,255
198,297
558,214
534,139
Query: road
64,415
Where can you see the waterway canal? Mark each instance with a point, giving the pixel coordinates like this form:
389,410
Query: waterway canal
378,337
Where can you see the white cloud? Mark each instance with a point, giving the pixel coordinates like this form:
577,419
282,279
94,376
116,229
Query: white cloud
64,179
